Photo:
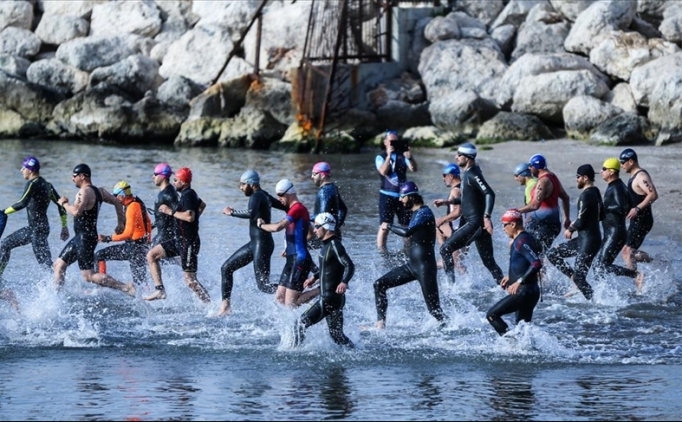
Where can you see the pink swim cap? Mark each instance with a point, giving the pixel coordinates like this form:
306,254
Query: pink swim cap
163,169
322,167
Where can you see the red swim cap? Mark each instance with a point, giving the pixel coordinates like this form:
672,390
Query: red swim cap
184,175
511,216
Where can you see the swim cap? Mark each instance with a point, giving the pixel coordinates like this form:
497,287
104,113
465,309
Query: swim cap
538,161
31,163
184,175
122,188
163,169
611,164
452,169
285,186
511,216
391,133
628,154
522,169
82,169
250,177
409,188
322,167
326,220
586,170
468,150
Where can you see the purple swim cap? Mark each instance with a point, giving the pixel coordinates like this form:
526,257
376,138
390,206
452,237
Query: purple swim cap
31,163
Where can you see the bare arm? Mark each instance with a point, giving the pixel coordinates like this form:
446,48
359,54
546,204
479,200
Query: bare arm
84,201
542,191
410,161
646,185
273,227
187,216
120,214
456,210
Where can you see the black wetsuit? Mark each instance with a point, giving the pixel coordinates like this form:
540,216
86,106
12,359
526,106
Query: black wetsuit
329,200
259,249
642,223
477,200
187,243
166,229
336,267
584,247
616,208
36,198
524,264
421,265
82,246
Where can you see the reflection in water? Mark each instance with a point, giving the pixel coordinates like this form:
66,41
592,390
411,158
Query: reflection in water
599,394
179,392
430,392
335,393
512,395
94,394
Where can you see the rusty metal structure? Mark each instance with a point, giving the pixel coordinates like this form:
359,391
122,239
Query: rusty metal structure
341,34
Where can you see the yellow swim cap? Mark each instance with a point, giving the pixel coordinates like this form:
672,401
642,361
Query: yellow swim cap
122,188
612,164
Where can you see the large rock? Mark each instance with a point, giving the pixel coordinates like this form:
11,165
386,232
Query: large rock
515,12
198,55
274,96
665,112
427,136
624,129
538,64
511,126
621,97
14,65
19,42
671,27
417,44
125,17
58,29
468,64
400,103
442,28
571,9
55,74
543,32
221,100
13,124
135,75
92,52
599,18
644,77
484,11
546,95
583,113
620,52
178,91
461,111
33,102
76,8
504,37
18,14
252,128
203,131
230,16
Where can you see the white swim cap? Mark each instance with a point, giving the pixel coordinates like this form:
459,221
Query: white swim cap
326,220
285,186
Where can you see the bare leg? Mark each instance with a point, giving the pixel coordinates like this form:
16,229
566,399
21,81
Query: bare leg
156,254
59,272
108,281
197,288
381,324
639,281
628,258
305,297
382,235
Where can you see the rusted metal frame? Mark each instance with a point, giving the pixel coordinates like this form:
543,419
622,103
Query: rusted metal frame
339,39
238,44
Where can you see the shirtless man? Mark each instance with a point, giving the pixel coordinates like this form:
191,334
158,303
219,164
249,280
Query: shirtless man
642,196
444,224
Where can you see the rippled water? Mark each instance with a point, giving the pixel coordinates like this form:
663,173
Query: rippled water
92,353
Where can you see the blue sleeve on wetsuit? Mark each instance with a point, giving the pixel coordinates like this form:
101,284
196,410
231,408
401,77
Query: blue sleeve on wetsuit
419,219
524,248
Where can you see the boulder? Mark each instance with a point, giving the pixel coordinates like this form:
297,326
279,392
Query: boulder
427,136
203,131
178,92
59,29
252,128
18,14
671,27
571,9
33,102
14,65
125,17
92,52
188,57
462,112
545,95
583,113
417,44
13,124
484,11
76,8
621,130
543,32
619,52
512,126
19,42
644,77
223,99
621,97
504,36
442,28
665,112
515,12
55,74
599,18
135,75
274,96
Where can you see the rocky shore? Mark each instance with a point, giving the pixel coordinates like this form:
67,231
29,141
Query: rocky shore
152,71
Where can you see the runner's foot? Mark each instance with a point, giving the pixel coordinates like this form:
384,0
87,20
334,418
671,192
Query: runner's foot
130,289
639,281
159,294
225,309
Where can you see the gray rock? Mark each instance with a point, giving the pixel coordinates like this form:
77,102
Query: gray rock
135,74
92,52
252,128
76,8
58,29
645,28
619,53
583,113
203,131
125,17
14,65
624,129
442,28
178,91
274,96
18,14
19,42
221,100
571,9
512,126
504,36
665,112
644,78
462,111
540,38
600,17
57,75
33,102
13,124
621,97
671,27
515,12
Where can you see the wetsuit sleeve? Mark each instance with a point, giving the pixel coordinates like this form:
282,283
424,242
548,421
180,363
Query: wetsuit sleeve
251,211
25,198
579,222
485,189
135,227
420,218
54,197
274,203
343,211
525,249
344,259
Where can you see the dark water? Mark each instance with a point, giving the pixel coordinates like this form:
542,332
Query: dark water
91,353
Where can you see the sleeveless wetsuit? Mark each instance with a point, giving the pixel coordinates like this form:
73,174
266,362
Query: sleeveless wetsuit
421,265
545,224
336,267
389,192
584,247
616,208
642,223
82,246
477,199
299,263
137,234
524,264
259,249
36,198
166,229
187,243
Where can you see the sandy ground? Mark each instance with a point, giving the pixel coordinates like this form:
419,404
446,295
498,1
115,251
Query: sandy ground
564,156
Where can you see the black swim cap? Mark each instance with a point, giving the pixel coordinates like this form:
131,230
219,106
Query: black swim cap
82,169
628,154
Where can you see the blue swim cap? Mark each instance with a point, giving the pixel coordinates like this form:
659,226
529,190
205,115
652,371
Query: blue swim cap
538,161
628,154
468,150
452,169
522,169
250,177
409,188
